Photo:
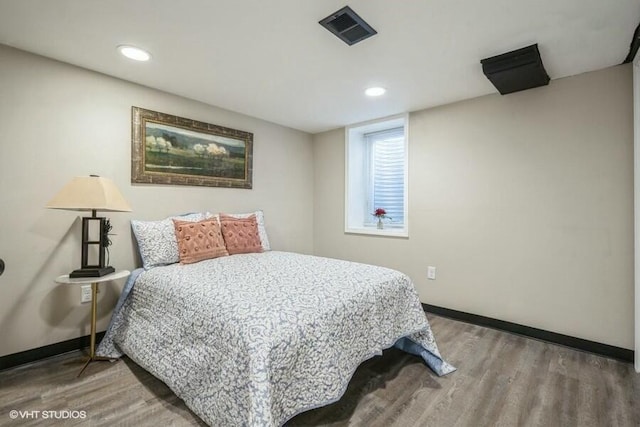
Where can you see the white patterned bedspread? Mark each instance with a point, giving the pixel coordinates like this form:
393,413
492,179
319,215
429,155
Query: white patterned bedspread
254,339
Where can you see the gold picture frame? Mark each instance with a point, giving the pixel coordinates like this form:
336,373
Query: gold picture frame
167,149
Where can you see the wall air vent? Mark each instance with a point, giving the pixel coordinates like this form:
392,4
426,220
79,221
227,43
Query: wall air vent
517,70
348,26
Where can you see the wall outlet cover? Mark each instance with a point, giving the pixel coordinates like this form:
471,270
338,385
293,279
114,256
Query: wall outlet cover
85,294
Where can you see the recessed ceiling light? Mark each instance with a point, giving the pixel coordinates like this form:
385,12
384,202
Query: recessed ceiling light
375,91
134,53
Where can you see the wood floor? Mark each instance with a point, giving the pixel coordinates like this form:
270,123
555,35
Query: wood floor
502,380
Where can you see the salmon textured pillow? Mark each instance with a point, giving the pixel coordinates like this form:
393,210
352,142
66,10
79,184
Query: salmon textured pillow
240,234
200,240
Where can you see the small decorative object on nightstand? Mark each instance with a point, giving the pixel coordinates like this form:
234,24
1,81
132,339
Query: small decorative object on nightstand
94,281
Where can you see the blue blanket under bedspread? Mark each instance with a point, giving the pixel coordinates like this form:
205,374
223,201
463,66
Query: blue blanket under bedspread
253,340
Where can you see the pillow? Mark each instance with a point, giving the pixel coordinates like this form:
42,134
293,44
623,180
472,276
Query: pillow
157,239
262,231
240,234
198,241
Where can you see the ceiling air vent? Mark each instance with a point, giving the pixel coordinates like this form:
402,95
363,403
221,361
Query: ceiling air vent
348,26
517,70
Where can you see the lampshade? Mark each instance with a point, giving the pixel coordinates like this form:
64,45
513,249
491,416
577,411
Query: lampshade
88,193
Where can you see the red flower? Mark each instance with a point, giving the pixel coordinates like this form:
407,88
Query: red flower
380,213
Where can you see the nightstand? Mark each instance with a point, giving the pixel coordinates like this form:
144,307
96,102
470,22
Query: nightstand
94,281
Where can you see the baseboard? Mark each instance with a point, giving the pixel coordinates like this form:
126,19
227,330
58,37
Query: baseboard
606,350
28,356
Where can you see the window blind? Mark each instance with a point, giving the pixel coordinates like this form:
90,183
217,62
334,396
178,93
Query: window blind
387,173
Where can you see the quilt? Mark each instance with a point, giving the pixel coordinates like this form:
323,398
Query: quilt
255,339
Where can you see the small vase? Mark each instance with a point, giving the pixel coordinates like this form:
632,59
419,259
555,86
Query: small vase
380,225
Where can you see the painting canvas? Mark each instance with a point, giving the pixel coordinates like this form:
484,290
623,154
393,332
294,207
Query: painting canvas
169,149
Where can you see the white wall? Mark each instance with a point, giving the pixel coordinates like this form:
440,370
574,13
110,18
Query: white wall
523,202
636,170
58,121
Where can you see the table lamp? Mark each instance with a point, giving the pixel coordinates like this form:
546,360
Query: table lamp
91,193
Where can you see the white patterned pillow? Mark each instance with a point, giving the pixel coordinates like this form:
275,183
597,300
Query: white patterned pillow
157,241
262,231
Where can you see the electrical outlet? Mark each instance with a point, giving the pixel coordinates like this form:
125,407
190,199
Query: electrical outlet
85,293
431,273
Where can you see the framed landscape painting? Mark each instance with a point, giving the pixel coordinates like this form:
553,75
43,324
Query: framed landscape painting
168,149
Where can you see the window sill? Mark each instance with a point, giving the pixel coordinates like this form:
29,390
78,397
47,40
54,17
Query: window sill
372,231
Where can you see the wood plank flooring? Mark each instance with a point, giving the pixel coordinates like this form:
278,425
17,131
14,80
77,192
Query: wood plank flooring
502,380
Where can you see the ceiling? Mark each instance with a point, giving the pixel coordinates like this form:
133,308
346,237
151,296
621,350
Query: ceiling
272,60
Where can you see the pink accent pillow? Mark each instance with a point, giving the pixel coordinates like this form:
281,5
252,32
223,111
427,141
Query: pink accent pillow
240,234
198,241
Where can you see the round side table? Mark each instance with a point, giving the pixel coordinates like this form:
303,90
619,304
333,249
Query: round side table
94,281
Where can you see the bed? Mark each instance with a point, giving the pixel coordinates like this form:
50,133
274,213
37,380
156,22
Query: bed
255,339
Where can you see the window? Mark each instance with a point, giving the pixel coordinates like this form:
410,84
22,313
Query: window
376,176
386,173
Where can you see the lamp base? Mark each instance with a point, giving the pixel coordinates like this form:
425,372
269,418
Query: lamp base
92,272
